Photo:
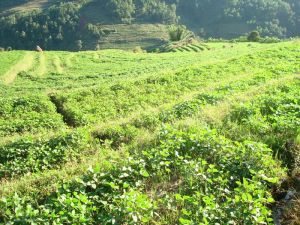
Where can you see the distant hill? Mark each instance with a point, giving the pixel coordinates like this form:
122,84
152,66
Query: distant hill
8,7
98,24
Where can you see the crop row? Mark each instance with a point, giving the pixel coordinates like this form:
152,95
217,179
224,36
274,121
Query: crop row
28,154
207,178
29,113
65,71
272,118
33,154
99,104
37,155
117,134
125,132
191,175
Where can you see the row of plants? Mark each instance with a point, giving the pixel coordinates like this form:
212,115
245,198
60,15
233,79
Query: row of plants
29,113
234,167
272,118
184,176
103,103
127,132
191,176
187,47
31,154
91,69
35,113
215,96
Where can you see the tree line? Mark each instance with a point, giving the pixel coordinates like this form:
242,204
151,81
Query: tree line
280,18
62,27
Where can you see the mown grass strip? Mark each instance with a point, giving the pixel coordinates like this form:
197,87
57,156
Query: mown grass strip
24,64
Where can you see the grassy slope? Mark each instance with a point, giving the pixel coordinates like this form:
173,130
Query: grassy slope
125,36
242,69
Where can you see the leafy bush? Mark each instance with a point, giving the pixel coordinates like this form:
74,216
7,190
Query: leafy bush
272,118
30,113
254,36
32,155
117,135
213,179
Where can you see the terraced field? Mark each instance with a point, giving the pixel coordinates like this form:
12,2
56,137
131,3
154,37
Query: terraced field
183,47
187,137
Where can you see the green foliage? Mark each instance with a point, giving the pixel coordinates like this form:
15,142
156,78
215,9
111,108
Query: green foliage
106,102
271,18
117,135
31,113
254,36
179,33
64,22
272,118
123,9
51,29
143,118
201,160
156,11
32,155
7,60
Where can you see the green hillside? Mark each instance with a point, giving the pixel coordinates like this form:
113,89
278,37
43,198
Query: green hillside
116,137
97,24
127,37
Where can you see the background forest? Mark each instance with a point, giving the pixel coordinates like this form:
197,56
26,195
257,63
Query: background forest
67,24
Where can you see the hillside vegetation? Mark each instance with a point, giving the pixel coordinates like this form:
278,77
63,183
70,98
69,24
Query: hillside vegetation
93,24
186,137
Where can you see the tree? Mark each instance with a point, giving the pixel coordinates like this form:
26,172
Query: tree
178,33
123,9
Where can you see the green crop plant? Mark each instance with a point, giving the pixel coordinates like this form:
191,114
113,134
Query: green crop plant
205,135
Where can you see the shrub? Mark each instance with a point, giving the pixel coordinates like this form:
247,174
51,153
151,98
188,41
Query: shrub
116,135
254,36
138,49
36,154
270,40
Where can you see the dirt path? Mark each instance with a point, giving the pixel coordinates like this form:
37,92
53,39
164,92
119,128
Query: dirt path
24,64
